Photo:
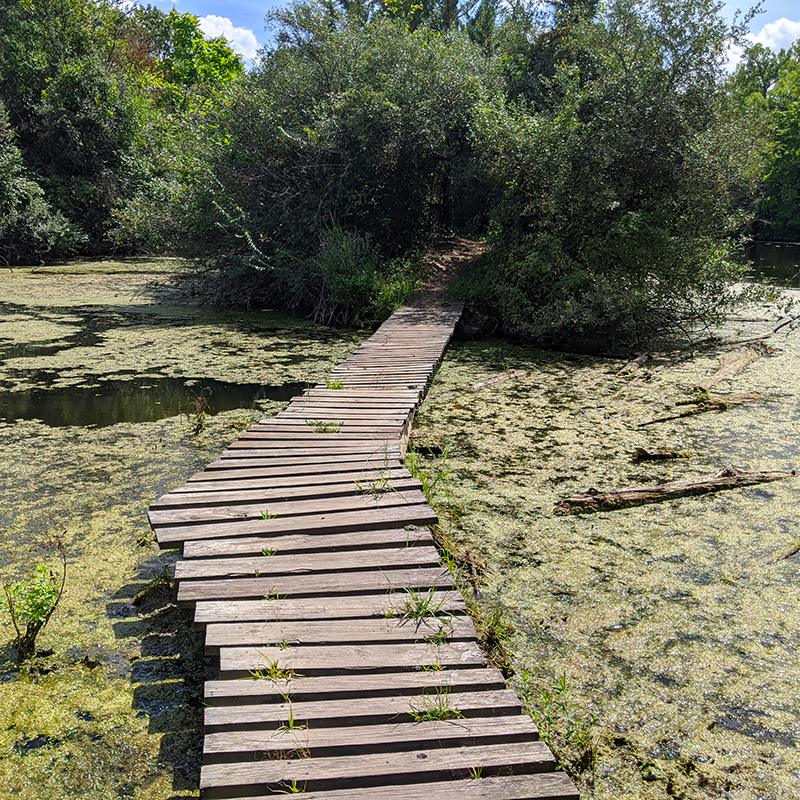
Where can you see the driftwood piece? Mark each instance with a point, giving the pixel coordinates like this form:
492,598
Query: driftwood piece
773,558
727,478
707,403
633,366
732,363
512,374
762,336
643,454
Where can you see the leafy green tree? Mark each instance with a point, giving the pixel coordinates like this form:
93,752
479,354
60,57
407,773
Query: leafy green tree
757,72
193,60
30,230
365,127
779,212
94,95
617,198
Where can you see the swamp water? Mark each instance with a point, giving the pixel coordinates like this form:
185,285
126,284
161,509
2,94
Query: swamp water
659,644
93,376
674,626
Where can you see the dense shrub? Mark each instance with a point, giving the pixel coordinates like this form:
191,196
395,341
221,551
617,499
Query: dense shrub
30,230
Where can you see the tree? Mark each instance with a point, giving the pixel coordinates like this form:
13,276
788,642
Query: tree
344,126
30,230
618,197
779,212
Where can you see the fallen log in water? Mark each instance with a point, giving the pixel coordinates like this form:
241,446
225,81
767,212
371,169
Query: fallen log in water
732,363
643,454
633,366
727,478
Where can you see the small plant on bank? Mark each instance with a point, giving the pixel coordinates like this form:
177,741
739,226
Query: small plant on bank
159,586
561,723
431,476
431,707
31,602
196,417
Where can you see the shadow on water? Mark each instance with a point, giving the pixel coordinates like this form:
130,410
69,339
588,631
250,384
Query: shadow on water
169,676
777,261
136,400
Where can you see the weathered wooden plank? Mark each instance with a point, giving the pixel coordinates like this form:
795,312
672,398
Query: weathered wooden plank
245,481
291,468
190,591
244,515
305,563
361,711
311,608
542,786
221,692
428,763
365,519
304,542
256,461
306,435
354,395
337,430
237,634
302,490
317,660
241,745
334,425
320,441
369,450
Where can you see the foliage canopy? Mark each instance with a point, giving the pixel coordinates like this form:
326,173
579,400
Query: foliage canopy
601,149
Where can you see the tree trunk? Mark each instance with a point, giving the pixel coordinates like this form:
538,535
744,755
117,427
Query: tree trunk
727,478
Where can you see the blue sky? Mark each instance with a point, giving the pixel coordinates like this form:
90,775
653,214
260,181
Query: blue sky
242,21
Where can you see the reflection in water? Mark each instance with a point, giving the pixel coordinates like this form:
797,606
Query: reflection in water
138,400
777,261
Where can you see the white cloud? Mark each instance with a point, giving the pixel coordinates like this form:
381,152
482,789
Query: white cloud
775,35
242,40
778,35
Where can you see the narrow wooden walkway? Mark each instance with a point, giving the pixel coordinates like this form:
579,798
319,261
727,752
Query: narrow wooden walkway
306,556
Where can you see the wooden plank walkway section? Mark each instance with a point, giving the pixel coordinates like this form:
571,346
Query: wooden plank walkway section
348,667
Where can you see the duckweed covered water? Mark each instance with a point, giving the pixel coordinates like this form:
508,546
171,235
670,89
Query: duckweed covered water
675,626
112,705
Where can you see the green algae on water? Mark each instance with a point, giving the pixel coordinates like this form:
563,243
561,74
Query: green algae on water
675,627
112,704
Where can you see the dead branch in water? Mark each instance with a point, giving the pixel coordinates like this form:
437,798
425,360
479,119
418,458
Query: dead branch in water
727,478
706,402
633,365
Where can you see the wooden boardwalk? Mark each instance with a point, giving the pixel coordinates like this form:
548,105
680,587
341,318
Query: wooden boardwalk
348,667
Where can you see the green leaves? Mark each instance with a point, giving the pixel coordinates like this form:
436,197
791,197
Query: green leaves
30,603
